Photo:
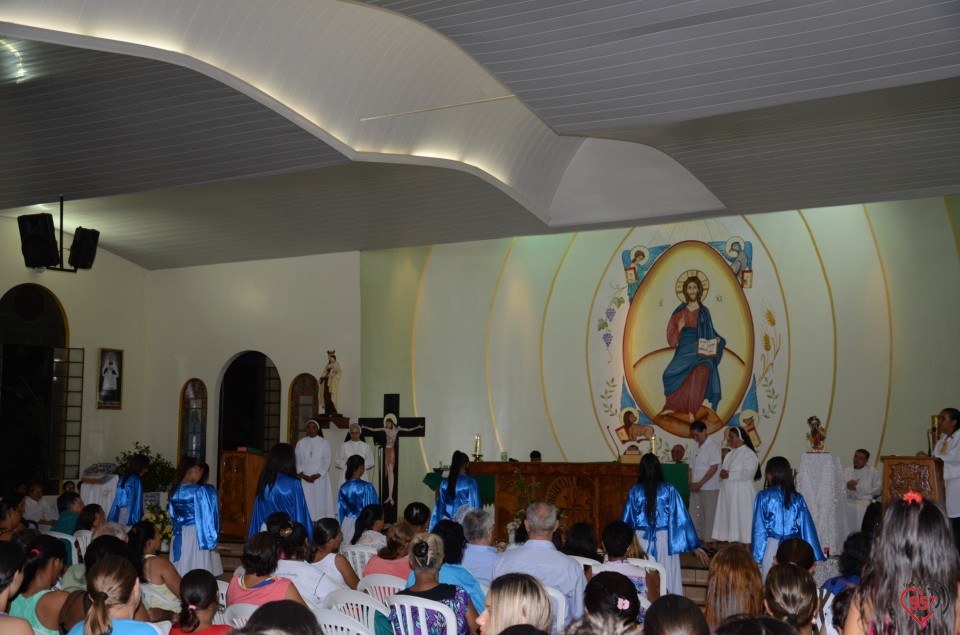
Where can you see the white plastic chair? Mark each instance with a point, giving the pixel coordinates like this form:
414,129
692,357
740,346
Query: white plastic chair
237,615
336,623
559,609
410,624
587,562
381,585
652,564
358,556
357,605
81,540
219,617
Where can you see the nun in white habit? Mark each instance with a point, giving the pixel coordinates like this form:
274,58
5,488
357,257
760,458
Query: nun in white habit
313,468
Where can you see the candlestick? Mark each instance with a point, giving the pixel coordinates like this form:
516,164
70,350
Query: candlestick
476,444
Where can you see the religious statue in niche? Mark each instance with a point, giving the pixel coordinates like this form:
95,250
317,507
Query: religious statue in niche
817,437
330,384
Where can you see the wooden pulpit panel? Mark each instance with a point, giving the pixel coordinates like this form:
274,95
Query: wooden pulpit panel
922,474
239,473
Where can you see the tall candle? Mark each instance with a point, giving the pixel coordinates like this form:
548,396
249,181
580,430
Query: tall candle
476,445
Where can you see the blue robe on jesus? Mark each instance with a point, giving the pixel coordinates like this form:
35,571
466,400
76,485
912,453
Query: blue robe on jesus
285,495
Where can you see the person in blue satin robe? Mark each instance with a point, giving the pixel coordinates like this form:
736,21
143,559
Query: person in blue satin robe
780,512
664,528
195,515
354,495
279,490
127,508
455,491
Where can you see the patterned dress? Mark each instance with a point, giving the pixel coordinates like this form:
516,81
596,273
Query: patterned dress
453,596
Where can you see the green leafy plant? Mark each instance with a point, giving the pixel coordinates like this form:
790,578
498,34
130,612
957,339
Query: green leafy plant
161,471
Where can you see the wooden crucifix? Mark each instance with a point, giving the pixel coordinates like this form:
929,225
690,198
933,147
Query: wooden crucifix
385,432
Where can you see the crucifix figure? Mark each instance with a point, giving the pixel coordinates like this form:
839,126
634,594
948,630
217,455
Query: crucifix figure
385,433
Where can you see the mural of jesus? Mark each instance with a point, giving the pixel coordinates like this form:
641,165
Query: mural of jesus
692,376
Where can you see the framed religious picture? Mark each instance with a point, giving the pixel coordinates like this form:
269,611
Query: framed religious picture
110,379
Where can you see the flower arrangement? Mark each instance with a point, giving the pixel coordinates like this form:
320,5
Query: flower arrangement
160,474
160,519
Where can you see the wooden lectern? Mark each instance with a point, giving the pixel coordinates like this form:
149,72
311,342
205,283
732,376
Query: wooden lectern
239,473
922,474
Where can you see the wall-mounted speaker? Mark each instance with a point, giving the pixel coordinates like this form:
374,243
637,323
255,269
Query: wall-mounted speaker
84,248
38,242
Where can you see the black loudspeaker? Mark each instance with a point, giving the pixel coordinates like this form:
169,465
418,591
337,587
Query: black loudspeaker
38,241
84,248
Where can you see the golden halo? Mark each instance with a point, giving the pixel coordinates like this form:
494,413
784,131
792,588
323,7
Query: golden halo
704,281
392,418
735,239
644,251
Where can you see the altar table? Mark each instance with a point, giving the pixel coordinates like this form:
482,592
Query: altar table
820,480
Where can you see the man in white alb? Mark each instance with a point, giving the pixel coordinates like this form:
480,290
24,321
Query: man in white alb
313,467
354,446
947,450
863,485
703,477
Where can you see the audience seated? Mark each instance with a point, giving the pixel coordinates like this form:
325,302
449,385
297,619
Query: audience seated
600,624
452,571
159,579
418,515
367,529
618,538
675,615
259,583
281,618
11,515
114,592
515,599
840,607
790,594
426,557
796,551
394,558
11,576
37,603
612,593
856,552
327,539
116,530
733,586
747,625
198,605
312,583
582,541
92,517
480,555
539,557
35,510
69,505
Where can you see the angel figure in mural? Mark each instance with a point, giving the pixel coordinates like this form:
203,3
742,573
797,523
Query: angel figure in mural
692,376
330,382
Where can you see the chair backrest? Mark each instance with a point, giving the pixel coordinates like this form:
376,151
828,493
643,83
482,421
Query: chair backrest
559,608
336,623
412,611
81,540
237,615
67,539
587,562
360,606
220,616
381,585
358,556
652,564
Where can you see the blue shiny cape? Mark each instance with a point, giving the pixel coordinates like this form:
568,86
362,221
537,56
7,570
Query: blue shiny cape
466,493
353,496
193,504
671,515
685,357
129,495
772,520
285,495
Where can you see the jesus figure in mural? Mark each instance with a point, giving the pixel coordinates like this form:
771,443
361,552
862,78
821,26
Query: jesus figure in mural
692,376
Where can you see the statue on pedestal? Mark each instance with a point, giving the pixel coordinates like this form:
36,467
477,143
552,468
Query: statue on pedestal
816,436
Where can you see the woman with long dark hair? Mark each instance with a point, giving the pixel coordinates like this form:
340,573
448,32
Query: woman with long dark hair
457,490
355,494
198,605
741,466
780,512
37,603
915,543
327,540
368,529
159,580
664,528
11,577
127,508
196,521
279,490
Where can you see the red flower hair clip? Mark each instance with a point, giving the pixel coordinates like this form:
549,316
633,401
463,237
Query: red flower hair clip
913,497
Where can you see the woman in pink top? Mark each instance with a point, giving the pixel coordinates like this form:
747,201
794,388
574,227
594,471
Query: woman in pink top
258,585
393,559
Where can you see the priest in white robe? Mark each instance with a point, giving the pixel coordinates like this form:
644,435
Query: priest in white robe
313,468
863,484
354,445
